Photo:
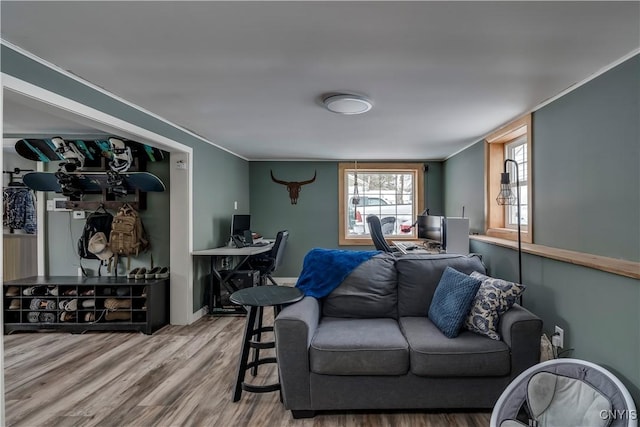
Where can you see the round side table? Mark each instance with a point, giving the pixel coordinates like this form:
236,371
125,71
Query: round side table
255,299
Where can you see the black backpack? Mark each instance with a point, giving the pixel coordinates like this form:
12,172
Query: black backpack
96,222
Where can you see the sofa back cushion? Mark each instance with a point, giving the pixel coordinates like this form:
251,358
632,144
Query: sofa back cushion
369,291
418,277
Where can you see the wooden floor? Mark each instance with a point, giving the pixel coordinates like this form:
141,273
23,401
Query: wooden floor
180,376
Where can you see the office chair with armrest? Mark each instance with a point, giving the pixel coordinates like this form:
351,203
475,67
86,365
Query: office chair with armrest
267,263
375,230
388,224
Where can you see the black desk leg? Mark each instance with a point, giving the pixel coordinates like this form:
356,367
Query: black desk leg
244,355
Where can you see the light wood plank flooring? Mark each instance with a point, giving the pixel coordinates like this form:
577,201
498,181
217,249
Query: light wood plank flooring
180,376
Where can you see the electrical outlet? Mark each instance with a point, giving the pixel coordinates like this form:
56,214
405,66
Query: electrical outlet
78,215
559,337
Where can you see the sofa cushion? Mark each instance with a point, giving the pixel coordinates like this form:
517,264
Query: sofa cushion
418,277
452,301
369,291
359,347
468,355
493,299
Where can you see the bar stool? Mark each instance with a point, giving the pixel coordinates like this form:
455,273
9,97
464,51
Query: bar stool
255,299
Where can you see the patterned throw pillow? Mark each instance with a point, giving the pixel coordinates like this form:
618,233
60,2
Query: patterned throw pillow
493,299
452,300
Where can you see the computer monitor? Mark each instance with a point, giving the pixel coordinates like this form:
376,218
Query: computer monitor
239,224
430,227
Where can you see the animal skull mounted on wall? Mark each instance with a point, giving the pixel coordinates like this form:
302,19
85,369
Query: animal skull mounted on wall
293,187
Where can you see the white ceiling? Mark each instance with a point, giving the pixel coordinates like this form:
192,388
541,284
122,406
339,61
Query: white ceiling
248,76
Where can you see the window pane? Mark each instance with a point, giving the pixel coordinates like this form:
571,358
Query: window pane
386,194
517,151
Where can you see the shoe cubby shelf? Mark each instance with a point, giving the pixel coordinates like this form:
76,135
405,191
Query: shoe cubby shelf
80,304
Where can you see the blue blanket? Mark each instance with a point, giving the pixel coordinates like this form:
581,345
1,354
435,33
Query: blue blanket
324,269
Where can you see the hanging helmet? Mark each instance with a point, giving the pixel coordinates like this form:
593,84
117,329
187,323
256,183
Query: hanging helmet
74,159
120,155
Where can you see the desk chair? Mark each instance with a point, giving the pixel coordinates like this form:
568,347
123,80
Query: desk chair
269,262
375,230
388,224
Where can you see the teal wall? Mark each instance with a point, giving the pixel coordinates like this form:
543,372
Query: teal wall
313,222
586,198
219,178
464,186
587,167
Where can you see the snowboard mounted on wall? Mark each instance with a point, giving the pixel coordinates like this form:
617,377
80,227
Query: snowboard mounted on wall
44,150
79,183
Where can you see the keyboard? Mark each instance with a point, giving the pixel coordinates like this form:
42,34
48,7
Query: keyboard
404,247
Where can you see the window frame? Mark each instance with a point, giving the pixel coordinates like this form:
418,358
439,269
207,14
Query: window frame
495,215
344,167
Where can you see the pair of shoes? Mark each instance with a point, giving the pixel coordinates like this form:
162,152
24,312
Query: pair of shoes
52,290
89,317
13,291
67,317
115,303
117,315
151,274
163,273
70,292
15,304
42,304
137,273
67,305
33,290
35,317
88,293
157,273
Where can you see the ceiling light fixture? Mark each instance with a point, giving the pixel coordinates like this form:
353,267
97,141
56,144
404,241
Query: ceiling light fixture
347,104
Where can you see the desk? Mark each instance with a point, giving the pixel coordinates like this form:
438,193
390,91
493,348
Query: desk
217,280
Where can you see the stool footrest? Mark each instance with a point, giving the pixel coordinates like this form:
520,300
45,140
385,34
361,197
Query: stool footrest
262,329
262,344
260,388
261,362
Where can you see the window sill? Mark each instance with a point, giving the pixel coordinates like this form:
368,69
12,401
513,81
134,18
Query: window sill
610,265
509,234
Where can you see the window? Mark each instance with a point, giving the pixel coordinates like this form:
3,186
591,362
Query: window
517,150
392,191
514,142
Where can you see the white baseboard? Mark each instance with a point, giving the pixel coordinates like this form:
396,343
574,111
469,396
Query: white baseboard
200,313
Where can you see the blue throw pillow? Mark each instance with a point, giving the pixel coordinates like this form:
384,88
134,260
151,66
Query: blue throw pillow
452,301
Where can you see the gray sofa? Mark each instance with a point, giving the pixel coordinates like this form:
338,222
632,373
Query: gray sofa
370,345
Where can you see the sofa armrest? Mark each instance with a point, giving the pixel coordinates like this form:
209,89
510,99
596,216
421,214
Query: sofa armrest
294,328
521,331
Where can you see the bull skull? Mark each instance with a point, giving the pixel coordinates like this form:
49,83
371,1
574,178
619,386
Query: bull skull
293,187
